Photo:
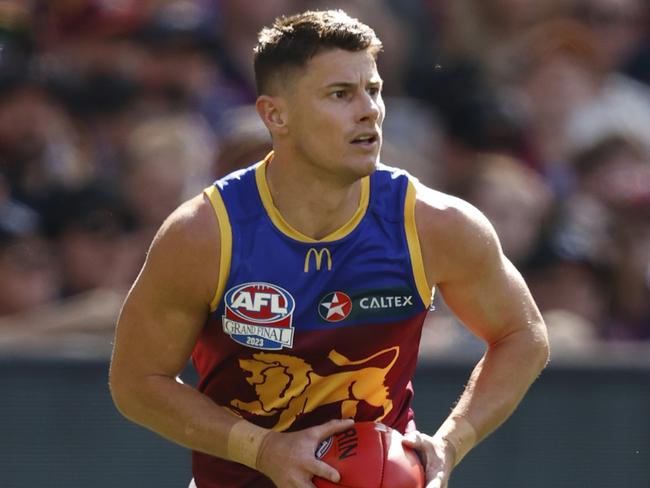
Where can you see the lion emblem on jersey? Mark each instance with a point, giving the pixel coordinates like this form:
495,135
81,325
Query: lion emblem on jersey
288,385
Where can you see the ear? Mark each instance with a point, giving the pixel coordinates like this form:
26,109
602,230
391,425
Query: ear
273,112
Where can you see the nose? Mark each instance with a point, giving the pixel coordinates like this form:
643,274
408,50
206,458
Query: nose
371,107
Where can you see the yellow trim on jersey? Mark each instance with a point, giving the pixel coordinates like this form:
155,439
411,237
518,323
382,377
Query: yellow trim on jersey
225,254
285,227
426,293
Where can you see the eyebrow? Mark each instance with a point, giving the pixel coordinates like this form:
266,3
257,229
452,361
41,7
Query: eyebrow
347,84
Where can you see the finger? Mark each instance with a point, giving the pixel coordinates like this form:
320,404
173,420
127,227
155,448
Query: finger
438,480
332,427
324,470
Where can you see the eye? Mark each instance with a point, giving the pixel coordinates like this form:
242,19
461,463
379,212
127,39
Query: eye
374,91
340,94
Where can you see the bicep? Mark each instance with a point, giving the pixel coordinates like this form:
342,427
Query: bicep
464,260
492,301
155,334
167,306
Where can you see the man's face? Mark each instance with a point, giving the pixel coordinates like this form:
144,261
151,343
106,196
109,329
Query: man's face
335,112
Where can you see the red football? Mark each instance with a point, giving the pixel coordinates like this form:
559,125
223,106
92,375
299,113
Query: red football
370,455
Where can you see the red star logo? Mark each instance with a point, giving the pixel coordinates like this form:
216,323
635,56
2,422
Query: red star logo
335,306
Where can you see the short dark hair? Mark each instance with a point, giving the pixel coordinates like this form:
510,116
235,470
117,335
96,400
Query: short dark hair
292,41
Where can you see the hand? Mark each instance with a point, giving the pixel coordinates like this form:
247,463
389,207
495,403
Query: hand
289,459
437,454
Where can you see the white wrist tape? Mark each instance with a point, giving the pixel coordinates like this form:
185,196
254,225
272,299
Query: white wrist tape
244,442
460,434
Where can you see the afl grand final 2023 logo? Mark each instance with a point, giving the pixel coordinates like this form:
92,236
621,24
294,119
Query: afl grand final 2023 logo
259,315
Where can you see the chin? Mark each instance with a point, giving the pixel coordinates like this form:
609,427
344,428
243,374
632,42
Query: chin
364,162
367,166
358,169
371,166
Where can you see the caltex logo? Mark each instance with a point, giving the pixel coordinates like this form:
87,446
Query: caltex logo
335,306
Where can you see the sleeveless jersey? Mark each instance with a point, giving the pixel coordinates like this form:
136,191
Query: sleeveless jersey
302,330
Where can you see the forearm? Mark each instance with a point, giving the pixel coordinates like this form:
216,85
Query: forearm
178,412
187,417
495,388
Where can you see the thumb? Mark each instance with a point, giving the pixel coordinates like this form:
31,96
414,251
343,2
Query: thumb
412,440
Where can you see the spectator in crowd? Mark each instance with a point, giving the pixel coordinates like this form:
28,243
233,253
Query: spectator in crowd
593,263
619,27
487,32
572,269
544,102
616,172
569,101
555,74
38,142
244,140
63,290
88,226
28,266
166,156
515,199
236,27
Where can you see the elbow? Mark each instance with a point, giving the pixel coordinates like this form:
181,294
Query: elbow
540,351
530,345
117,394
543,356
120,393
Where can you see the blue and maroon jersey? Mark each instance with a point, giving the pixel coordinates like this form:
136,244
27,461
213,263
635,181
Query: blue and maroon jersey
302,330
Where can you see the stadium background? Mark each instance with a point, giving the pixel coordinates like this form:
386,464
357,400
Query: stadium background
114,111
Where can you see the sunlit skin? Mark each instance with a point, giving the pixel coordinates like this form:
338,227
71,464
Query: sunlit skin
320,118
325,120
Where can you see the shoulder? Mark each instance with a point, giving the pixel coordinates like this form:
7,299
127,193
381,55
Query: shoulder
184,255
192,226
455,237
444,214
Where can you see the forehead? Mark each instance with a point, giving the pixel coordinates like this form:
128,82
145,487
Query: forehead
338,66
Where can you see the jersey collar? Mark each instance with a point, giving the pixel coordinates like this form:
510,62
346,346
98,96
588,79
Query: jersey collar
287,229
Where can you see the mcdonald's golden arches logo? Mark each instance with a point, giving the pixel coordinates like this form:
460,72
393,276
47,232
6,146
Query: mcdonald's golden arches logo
318,258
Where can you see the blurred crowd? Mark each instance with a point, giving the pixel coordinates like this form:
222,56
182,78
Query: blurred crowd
112,112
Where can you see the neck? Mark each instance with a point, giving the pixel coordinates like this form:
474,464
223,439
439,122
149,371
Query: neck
313,203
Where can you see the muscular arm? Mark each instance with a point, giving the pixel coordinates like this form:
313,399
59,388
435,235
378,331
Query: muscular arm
160,322
158,327
463,258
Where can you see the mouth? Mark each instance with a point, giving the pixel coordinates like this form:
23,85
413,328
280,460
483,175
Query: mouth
366,139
